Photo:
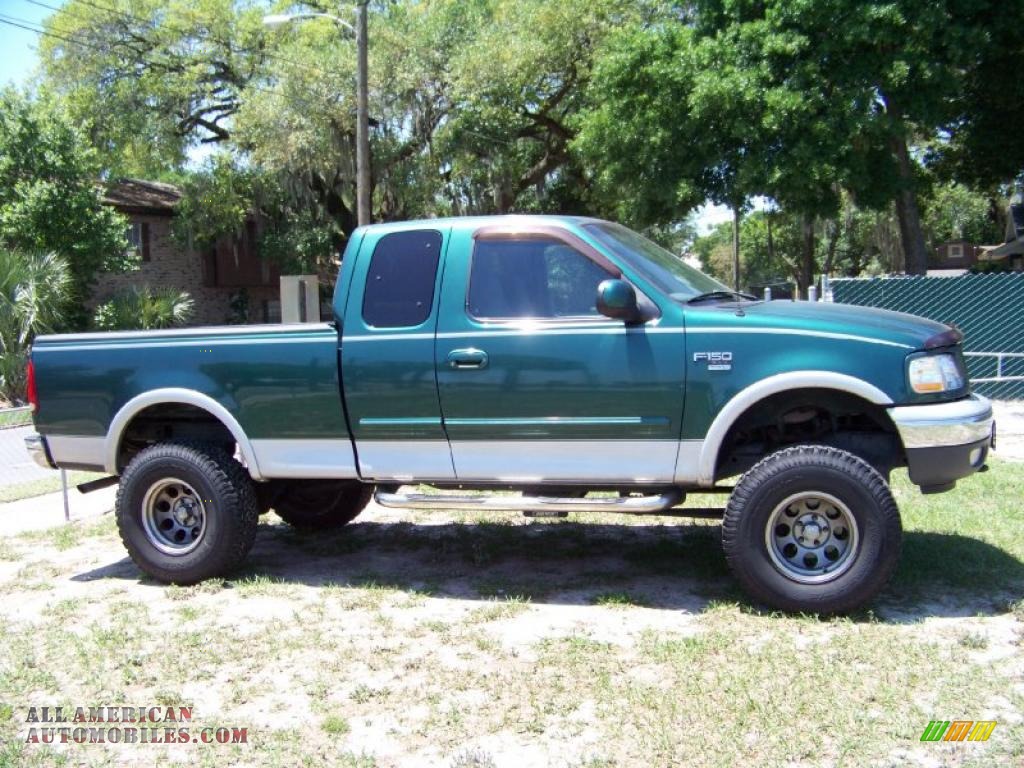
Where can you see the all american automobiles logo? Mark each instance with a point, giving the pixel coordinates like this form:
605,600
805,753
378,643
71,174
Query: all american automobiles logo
124,725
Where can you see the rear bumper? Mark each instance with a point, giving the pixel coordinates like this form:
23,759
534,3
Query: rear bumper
39,451
945,441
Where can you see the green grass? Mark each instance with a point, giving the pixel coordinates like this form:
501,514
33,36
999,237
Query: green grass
15,417
45,485
494,640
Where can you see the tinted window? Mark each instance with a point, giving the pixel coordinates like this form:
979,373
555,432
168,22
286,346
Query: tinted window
400,283
539,277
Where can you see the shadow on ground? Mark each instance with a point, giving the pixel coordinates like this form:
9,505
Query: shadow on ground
677,567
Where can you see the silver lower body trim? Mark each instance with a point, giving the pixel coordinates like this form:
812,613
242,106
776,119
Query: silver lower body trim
36,447
634,505
568,461
305,458
941,424
405,460
77,452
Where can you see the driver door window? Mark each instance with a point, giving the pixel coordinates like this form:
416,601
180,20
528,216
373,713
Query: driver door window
532,278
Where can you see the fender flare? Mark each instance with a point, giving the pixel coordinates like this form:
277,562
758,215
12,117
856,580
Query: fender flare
176,395
773,385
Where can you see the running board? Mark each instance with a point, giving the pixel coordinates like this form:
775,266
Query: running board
532,505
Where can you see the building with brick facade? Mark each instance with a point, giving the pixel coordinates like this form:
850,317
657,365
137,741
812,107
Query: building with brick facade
230,283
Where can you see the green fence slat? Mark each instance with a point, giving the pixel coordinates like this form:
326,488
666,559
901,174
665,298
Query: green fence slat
988,308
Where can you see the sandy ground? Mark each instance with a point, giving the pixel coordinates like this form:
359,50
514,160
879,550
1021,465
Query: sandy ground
449,641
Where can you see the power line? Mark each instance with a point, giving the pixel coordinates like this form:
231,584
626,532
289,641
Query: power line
128,16
20,23
14,21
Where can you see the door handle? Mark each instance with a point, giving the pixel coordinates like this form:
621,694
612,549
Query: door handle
466,359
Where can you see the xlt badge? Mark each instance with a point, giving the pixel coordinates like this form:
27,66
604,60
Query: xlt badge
717,361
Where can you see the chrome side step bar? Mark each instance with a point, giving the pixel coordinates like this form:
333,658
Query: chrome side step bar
630,505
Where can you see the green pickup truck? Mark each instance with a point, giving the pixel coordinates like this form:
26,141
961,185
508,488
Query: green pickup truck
567,359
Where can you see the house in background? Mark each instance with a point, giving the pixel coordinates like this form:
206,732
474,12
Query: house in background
954,255
1011,252
216,278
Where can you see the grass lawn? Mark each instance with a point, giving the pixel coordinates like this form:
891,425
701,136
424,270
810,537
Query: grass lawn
15,417
489,640
44,485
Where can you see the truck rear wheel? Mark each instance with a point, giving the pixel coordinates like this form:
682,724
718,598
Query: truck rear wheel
317,505
186,512
812,529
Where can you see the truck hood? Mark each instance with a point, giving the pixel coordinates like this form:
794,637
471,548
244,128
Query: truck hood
845,319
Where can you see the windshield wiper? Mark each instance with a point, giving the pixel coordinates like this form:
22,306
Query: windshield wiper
725,295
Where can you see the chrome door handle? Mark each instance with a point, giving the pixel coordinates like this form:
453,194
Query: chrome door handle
467,359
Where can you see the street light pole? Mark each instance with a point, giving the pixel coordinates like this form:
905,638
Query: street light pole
363,207
362,118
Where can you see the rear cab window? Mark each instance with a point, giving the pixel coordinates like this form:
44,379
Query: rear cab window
400,280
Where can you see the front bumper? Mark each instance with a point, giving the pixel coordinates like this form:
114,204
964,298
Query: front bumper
39,451
945,441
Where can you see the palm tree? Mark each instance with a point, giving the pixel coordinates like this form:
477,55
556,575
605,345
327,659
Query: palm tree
144,309
34,290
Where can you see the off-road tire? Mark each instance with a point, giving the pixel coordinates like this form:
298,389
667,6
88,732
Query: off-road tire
320,505
227,493
809,469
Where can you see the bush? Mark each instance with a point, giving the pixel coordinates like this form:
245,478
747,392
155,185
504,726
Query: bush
144,309
34,290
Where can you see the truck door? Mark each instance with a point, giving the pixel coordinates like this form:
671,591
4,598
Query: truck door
535,385
387,356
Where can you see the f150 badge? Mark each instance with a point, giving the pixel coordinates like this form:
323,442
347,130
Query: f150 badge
717,361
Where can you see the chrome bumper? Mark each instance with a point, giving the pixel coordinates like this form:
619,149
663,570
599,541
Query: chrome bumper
944,424
36,447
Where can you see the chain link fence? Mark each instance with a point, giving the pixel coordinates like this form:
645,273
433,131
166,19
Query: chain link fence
989,309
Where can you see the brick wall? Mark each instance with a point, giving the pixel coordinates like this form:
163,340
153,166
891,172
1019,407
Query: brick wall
172,267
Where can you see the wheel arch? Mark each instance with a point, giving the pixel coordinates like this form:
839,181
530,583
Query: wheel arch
174,396
749,398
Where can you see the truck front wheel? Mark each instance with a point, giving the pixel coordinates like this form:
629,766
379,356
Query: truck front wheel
317,505
186,512
812,529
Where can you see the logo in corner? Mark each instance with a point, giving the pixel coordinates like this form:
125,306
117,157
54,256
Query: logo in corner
958,730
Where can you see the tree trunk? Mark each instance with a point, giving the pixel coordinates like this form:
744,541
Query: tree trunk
915,253
736,247
806,255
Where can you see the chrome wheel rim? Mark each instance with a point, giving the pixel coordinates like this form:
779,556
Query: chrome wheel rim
812,537
173,516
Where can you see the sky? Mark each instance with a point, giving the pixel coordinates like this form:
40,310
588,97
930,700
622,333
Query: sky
19,56
18,47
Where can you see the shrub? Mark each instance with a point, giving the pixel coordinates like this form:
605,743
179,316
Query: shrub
34,290
144,309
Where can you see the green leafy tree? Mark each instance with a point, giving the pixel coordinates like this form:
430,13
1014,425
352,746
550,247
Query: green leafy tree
50,197
152,78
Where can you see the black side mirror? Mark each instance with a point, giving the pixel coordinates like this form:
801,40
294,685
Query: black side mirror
617,299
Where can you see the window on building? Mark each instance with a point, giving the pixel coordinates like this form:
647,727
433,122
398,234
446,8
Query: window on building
138,239
956,251
400,282
537,277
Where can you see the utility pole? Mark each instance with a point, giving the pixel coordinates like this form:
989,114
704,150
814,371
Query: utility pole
362,118
363,181
736,248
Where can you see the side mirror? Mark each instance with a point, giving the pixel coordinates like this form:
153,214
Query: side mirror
617,299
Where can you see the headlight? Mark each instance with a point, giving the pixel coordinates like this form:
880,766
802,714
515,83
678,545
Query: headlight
935,373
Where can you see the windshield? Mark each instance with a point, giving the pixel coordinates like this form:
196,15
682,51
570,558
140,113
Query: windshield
668,273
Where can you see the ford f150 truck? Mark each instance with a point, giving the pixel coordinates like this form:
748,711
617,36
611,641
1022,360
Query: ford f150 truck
569,359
